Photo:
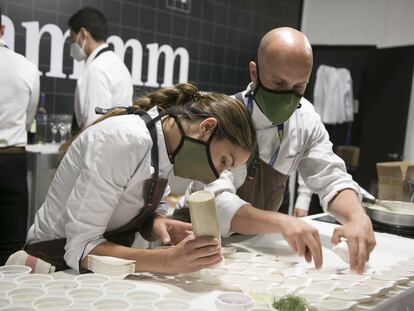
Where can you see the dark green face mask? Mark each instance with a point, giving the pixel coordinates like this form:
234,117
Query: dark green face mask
192,158
277,106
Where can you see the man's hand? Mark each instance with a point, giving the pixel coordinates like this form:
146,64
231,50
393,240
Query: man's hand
298,212
303,239
170,231
361,241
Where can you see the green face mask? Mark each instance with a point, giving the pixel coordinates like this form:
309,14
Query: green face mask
192,158
277,106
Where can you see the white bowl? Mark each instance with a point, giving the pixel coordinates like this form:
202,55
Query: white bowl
344,285
33,280
278,292
272,278
142,298
170,304
335,305
263,259
25,295
84,296
92,279
366,290
14,271
295,272
118,288
245,256
312,298
400,273
233,281
255,287
227,251
323,287
52,303
393,278
258,271
5,286
386,286
212,276
4,302
111,304
319,277
60,287
233,301
238,266
296,283
18,308
347,295
327,270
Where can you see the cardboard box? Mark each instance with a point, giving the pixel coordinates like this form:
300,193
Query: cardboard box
394,179
350,155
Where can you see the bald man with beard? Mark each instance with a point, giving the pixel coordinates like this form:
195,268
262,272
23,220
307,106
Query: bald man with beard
290,136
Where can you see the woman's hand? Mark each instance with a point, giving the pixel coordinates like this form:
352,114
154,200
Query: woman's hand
170,231
193,254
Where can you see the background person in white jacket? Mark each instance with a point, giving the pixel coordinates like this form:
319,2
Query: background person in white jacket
19,96
105,81
289,138
101,184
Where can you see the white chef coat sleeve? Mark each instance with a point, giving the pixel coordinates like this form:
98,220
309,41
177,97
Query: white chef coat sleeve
95,92
322,170
227,201
304,195
109,164
33,99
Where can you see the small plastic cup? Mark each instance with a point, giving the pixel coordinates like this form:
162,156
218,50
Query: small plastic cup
14,271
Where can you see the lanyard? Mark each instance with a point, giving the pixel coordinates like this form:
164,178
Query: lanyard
280,131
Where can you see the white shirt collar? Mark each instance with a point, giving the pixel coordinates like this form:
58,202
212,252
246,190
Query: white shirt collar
96,51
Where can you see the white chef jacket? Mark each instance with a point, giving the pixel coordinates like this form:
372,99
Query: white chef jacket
105,82
304,195
333,96
99,185
305,146
19,96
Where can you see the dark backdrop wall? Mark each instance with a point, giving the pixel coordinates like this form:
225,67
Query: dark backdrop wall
221,36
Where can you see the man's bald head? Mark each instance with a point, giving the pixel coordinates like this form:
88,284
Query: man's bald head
286,54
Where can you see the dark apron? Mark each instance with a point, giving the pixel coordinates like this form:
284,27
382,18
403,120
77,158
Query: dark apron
75,126
52,251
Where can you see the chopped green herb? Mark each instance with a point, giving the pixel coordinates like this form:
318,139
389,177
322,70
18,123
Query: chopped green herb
290,303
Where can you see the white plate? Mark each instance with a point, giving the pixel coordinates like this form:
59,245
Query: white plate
352,277
388,277
265,259
296,283
341,284
245,256
388,285
335,305
258,271
295,272
278,291
312,298
233,281
323,287
365,290
347,295
319,277
238,266
212,276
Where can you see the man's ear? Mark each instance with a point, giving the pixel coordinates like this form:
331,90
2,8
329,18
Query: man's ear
2,30
253,72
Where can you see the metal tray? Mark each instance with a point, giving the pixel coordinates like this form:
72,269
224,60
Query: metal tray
389,218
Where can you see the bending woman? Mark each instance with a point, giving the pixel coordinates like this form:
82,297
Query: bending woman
113,176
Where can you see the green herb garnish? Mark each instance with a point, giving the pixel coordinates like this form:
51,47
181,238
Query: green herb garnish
290,303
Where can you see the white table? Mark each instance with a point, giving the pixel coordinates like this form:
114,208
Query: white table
389,249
